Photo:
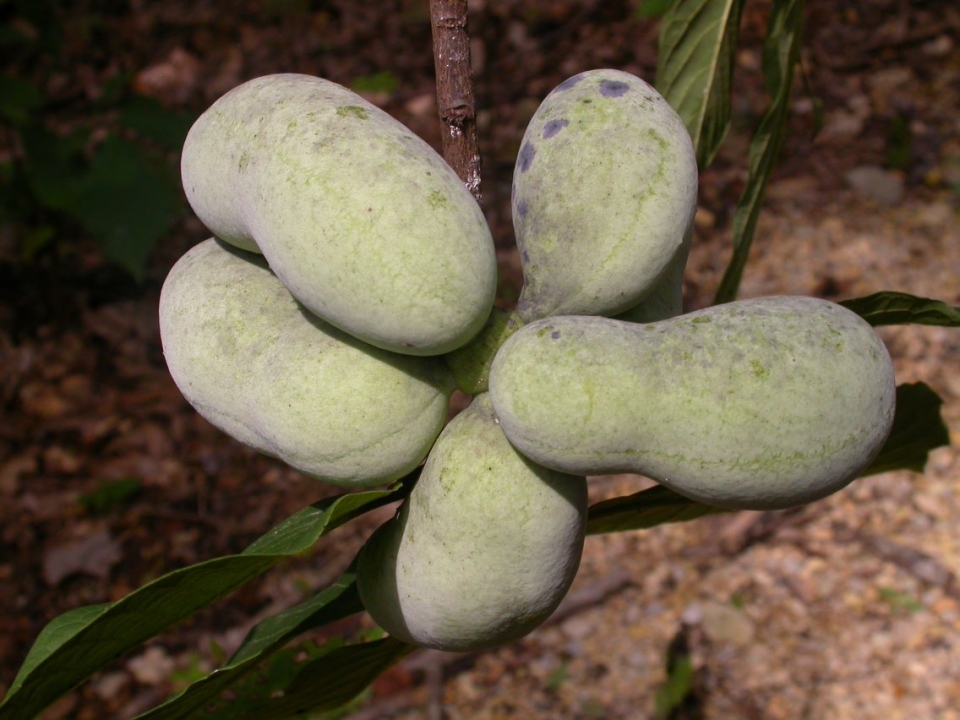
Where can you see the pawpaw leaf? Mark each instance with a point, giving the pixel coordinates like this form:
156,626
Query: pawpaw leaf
147,117
128,203
333,603
78,643
645,509
322,683
781,51
19,100
917,429
695,68
897,308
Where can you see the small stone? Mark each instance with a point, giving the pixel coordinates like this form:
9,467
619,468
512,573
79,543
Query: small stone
726,624
877,184
704,219
422,105
841,125
110,685
577,627
152,667
940,46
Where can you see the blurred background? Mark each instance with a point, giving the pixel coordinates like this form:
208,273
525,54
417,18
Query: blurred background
847,608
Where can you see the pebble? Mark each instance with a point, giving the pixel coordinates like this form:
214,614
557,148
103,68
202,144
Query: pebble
152,667
727,624
881,185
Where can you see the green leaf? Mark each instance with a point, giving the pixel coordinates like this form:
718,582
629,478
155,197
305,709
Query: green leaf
110,494
35,240
781,50
918,428
652,8
897,308
306,680
53,168
128,202
677,688
695,68
327,682
645,509
334,603
381,82
19,99
77,644
152,121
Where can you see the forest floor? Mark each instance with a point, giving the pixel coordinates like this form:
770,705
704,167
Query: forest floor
847,608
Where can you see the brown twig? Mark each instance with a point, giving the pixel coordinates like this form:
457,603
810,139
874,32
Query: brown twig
455,101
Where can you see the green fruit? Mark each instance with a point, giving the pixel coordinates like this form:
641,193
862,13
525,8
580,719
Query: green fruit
762,403
359,218
604,190
257,365
482,551
665,299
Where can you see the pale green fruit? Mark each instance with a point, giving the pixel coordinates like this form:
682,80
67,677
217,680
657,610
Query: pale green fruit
482,551
360,219
604,190
762,403
665,299
261,368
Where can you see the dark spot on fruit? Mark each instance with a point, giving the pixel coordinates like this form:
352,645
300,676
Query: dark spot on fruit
525,160
521,209
613,88
555,334
553,127
568,83
525,256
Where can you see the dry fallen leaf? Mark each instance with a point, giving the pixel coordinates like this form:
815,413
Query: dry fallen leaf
93,555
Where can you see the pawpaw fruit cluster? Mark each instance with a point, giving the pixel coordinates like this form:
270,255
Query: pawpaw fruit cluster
349,288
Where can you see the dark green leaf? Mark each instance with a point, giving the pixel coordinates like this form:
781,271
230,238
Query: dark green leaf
332,604
77,644
53,168
695,68
899,143
896,308
381,82
918,428
328,681
152,121
677,688
110,494
128,203
645,509
653,8
19,99
781,50
35,240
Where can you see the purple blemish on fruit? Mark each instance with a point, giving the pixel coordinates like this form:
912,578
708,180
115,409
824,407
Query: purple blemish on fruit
555,334
568,83
521,209
525,160
553,127
613,88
